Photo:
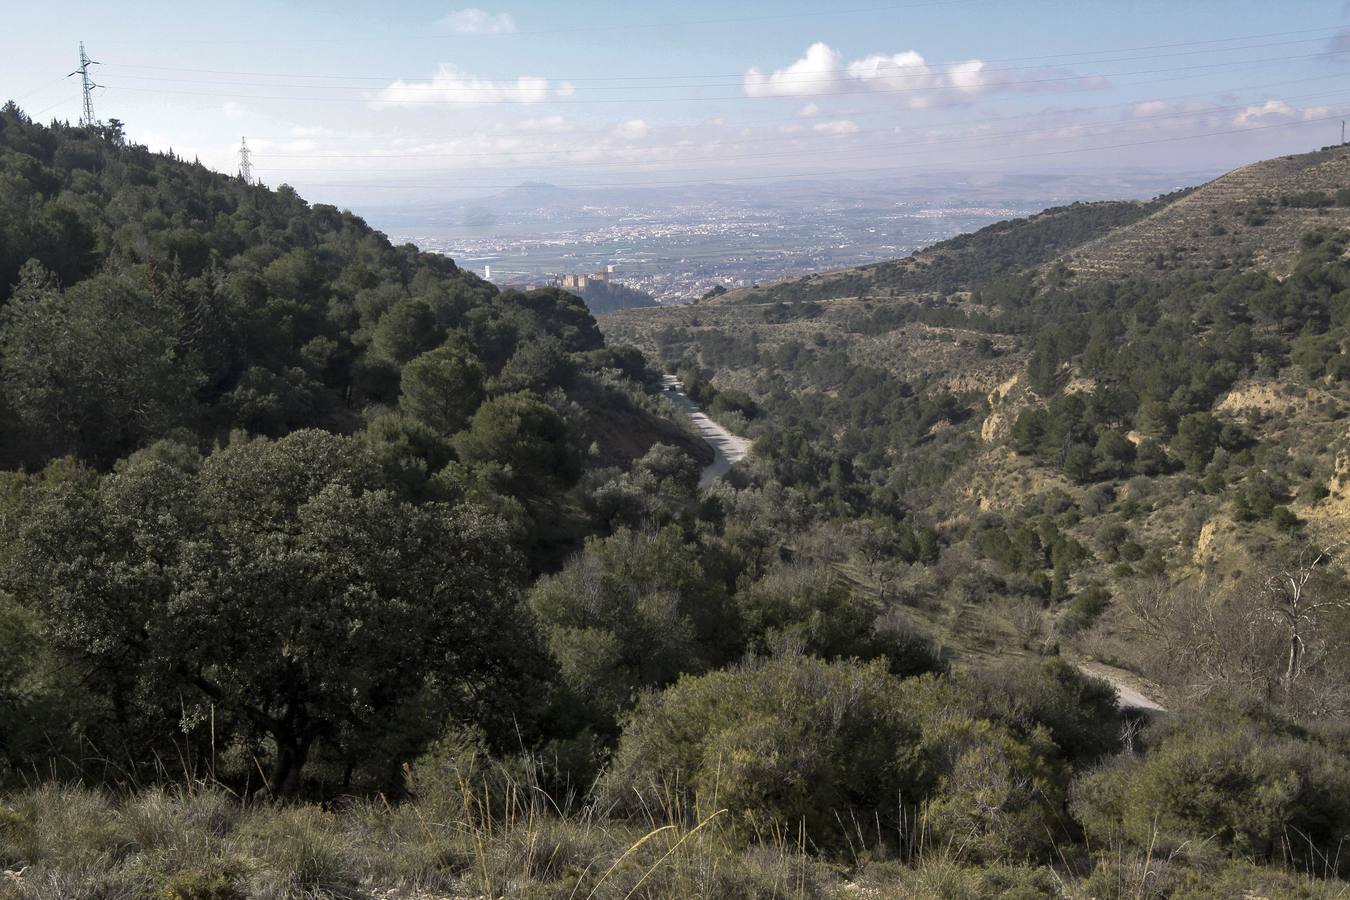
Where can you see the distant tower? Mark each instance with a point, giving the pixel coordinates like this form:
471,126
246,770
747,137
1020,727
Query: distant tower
87,118
487,273
245,164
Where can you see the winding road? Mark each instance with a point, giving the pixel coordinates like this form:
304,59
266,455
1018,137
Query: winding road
728,449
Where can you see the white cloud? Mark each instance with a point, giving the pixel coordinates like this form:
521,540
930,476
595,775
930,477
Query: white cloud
451,85
815,73
918,84
478,21
234,110
906,75
841,126
969,76
1150,108
808,111
633,130
565,89
1271,112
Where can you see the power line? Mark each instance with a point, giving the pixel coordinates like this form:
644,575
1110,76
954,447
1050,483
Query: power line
925,142
796,77
871,149
798,120
841,172
39,89
52,106
1091,79
432,34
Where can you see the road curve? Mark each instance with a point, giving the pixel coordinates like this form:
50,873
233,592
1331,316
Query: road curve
1127,696
728,449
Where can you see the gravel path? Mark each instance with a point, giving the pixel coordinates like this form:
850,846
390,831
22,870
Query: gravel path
728,449
1127,695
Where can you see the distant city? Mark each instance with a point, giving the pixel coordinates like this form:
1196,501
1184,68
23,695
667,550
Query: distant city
679,255
678,247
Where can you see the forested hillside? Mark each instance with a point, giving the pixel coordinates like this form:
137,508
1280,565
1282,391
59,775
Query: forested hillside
1144,472
327,569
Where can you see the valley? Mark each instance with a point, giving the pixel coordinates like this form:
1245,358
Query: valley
1013,567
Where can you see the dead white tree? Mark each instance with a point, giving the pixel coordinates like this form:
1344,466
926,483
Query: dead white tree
1290,599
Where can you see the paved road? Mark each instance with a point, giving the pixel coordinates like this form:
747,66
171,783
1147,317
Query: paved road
728,449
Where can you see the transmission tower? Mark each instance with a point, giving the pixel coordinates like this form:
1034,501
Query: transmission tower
245,164
88,84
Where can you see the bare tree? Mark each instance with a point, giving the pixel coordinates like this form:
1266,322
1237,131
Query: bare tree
1202,636
1026,617
1290,599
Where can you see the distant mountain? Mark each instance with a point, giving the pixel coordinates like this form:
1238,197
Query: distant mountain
1024,191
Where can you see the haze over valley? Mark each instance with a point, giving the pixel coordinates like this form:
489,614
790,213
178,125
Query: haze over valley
678,244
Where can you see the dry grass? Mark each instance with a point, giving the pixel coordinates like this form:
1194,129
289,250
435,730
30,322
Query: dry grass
485,840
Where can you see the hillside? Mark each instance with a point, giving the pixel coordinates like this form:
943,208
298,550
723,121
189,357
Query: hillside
329,570
963,262
232,306
1073,430
1251,216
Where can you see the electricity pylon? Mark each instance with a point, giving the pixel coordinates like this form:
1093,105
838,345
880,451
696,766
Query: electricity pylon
245,164
88,84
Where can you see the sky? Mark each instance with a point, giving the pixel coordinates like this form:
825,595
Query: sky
398,102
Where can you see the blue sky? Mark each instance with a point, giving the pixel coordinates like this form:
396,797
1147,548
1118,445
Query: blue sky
363,102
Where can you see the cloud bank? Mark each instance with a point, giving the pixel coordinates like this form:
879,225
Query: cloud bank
907,75
452,85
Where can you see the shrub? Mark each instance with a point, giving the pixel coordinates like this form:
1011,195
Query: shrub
1248,784
1086,608
811,609
1078,711
800,742
782,742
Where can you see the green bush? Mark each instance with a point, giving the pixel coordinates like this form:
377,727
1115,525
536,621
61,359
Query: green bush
798,742
782,742
1247,784
1086,608
1078,712
812,609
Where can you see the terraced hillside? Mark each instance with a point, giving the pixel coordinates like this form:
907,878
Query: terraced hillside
1255,214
